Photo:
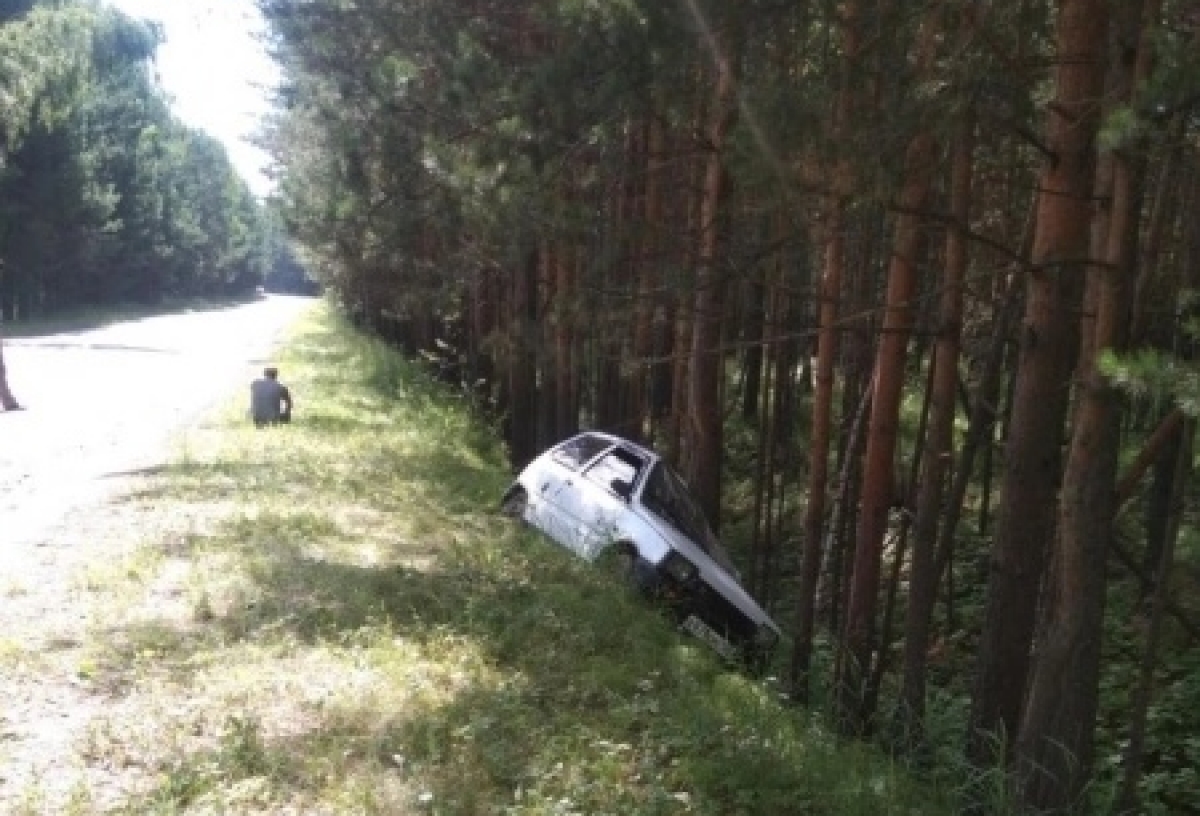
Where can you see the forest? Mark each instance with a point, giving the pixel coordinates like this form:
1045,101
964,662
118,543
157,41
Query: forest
106,198
906,290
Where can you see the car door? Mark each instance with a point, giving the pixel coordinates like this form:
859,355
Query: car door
554,488
596,501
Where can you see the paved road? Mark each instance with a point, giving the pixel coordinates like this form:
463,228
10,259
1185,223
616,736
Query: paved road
107,400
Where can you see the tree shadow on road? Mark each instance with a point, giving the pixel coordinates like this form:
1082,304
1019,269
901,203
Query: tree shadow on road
89,318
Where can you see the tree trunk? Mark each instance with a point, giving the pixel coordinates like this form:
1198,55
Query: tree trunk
1160,494
878,490
522,363
7,401
630,210
832,274
1151,249
772,364
1056,744
753,358
649,297
1026,519
819,449
565,378
544,337
683,330
1127,801
980,432
681,340
939,446
842,518
705,432
1164,435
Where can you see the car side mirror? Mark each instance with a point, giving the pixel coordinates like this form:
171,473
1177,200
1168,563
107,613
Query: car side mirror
622,488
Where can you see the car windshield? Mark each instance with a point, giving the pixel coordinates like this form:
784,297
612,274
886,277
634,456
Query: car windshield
668,498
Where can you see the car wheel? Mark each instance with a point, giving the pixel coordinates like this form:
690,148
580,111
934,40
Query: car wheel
757,660
627,564
514,503
637,573
621,562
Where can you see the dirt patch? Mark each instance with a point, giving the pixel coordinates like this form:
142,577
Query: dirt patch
47,614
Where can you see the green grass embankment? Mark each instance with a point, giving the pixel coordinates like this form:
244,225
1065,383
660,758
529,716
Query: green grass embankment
331,617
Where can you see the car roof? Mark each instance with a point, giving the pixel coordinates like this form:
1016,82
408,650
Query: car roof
629,444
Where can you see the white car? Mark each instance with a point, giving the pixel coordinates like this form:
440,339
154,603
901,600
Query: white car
596,491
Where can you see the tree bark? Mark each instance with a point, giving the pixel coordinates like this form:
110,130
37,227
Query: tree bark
773,363
565,377
7,401
1163,435
706,370
522,362
1128,798
939,446
681,331
1026,517
546,344
649,300
1151,249
753,318
1056,745
1156,512
832,273
878,489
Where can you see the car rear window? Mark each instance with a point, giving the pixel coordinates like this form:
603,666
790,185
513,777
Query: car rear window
574,453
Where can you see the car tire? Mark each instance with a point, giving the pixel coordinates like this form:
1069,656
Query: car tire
637,573
514,503
621,562
756,660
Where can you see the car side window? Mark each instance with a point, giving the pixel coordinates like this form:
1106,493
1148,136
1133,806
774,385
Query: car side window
575,453
616,465
668,498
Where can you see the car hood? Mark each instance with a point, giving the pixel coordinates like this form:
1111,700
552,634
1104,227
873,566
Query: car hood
718,574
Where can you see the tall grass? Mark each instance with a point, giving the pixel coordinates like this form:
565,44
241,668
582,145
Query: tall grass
331,617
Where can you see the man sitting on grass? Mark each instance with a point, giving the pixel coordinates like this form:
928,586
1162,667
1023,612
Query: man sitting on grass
270,400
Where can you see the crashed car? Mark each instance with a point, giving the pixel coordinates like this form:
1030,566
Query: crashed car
598,493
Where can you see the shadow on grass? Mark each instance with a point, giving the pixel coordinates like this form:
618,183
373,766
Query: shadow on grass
199,482
191,470
601,686
438,481
523,629
326,423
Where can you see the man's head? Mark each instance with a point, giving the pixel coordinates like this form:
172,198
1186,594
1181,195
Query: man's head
271,371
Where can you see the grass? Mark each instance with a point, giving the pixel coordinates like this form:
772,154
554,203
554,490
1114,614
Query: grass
332,618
